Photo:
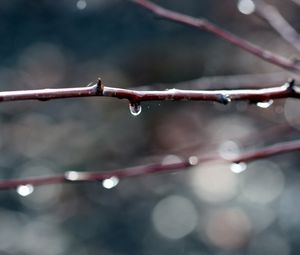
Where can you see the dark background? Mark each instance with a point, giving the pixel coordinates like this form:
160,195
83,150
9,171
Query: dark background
207,210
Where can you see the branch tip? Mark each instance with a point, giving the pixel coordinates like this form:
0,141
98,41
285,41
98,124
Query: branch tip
100,87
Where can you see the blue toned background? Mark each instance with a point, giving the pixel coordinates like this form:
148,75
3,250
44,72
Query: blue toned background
207,210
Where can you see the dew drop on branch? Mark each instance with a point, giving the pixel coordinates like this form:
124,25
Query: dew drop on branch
110,183
135,108
25,190
238,167
265,104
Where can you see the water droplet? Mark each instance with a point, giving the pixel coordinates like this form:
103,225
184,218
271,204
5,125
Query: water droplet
246,7
135,108
193,160
25,190
75,176
238,167
81,4
265,104
171,159
111,182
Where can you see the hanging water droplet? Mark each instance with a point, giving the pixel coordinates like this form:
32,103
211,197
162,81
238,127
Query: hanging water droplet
265,104
193,160
238,167
135,108
25,190
111,182
81,4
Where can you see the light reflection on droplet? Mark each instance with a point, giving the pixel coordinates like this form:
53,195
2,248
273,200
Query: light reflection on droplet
72,175
265,104
135,108
238,167
110,182
193,160
25,190
246,6
171,159
81,4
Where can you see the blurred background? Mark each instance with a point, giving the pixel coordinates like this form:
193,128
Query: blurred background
214,208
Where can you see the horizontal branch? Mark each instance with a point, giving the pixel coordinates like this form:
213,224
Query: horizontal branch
135,96
75,176
203,24
272,150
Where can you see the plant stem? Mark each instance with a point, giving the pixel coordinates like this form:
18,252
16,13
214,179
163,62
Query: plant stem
208,26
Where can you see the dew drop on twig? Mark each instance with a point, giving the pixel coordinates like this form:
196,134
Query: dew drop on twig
265,104
135,108
111,182
238,167
25,190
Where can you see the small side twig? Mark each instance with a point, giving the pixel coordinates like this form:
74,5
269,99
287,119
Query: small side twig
185,164
203,24
271,14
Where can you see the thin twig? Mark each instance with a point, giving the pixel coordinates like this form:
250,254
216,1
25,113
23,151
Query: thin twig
272,150
185,164
203,24
271,14
288,90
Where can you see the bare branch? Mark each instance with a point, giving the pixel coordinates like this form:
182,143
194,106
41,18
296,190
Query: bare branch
272,150
288,90
278,23
76,177
203,24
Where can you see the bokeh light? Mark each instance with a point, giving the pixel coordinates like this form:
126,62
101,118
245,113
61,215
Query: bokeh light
174,217
229,228
263,182
213,182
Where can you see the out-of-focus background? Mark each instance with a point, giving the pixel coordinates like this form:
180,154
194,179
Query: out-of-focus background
212,209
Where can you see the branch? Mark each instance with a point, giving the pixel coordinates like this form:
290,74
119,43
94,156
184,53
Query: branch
278,23
288,90
203,24
76,177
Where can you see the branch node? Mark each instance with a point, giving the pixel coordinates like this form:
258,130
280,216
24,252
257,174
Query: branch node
99,87
223,99
291,86
291,83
